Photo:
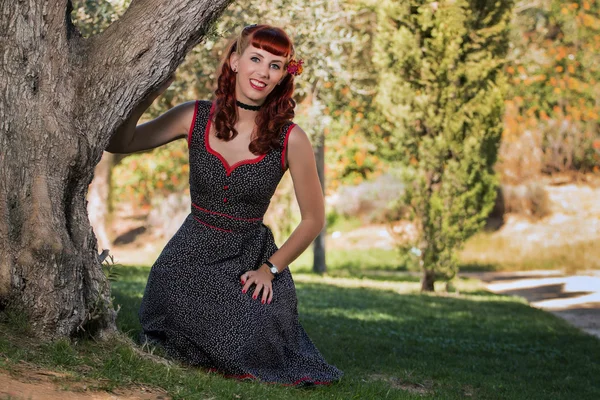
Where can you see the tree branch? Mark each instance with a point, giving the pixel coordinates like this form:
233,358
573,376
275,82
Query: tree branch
136,54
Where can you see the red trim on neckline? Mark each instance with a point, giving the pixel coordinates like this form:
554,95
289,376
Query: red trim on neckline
189,140
228,168
226,215
211,226
285,144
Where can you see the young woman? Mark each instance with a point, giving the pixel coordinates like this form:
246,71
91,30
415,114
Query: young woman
220,295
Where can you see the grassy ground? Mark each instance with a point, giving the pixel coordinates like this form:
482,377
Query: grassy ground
391,342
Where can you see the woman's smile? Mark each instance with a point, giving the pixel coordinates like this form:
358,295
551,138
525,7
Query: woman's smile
257,85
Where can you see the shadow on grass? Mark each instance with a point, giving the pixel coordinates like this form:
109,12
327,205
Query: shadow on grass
498,346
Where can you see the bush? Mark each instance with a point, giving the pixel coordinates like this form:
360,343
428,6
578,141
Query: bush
521,157
530,199
547,148
370,201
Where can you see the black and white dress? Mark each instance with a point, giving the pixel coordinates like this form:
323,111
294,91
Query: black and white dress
193,304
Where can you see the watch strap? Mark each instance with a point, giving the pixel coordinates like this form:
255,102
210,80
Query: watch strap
272,267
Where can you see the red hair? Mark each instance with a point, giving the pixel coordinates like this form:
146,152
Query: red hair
278,107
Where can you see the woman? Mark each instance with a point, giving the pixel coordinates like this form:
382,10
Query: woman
220,295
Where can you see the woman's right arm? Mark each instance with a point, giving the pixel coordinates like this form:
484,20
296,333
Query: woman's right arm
173,124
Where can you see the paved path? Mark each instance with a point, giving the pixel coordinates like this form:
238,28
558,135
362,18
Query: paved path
576,298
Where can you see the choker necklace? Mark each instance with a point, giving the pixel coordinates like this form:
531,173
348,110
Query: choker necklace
247,106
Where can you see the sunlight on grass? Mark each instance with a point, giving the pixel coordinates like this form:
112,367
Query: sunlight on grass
352,261
399,282
400,287
385,335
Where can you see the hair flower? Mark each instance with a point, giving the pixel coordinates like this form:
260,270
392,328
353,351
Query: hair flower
295,67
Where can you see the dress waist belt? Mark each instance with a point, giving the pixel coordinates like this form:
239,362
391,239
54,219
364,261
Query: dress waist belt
224,222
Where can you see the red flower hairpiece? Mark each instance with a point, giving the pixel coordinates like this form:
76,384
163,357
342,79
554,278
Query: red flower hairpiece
295,67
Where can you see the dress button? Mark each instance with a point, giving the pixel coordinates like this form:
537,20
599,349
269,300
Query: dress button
225,187
225,200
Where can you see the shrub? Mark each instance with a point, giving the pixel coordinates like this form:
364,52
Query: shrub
370,200
529,199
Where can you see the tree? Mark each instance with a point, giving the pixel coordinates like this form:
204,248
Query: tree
91,18
441,88
63,96
554,72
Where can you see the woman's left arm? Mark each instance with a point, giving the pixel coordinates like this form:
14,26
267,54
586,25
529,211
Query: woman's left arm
303,168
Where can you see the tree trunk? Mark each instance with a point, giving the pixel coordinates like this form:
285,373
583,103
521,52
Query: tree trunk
98,199
427,280
319,263
62,97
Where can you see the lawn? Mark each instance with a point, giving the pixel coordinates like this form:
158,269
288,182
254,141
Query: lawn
391,341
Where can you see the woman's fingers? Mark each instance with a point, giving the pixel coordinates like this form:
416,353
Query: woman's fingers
253,278
259,287
248,282
266,292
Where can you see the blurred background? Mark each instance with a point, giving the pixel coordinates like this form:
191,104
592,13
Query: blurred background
357,101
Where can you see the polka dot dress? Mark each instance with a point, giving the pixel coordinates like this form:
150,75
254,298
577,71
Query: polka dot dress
193,304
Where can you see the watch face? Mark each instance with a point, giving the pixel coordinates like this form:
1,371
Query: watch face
273,270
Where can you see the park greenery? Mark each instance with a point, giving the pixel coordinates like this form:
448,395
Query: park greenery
441,92
451,98
448,99
391,341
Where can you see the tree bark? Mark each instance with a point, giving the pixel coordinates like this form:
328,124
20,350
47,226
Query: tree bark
427,280
319,262
62,97
98,199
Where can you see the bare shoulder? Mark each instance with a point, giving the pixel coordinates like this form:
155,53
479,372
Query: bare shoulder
299,148
297,137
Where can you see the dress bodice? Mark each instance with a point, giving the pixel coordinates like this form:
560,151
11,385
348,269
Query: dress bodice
230,197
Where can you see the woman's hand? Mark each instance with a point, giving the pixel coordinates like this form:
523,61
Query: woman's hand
262,278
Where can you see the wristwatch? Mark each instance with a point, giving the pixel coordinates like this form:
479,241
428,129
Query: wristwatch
272,268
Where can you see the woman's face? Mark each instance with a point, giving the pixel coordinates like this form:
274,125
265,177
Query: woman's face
258,72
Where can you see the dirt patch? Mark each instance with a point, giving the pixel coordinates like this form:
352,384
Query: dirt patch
28,382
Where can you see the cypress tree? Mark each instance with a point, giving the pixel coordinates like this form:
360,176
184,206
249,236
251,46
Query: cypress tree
441,94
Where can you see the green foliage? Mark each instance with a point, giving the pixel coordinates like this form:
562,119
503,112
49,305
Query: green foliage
555,80
142,177
17,320
92,17
100,306
441,93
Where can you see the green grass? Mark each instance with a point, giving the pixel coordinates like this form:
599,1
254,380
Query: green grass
383,334
337,222
372,263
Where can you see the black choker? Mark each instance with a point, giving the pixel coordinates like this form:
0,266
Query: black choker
247,106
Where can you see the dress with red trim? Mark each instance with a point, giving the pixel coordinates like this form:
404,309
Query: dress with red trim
193,305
